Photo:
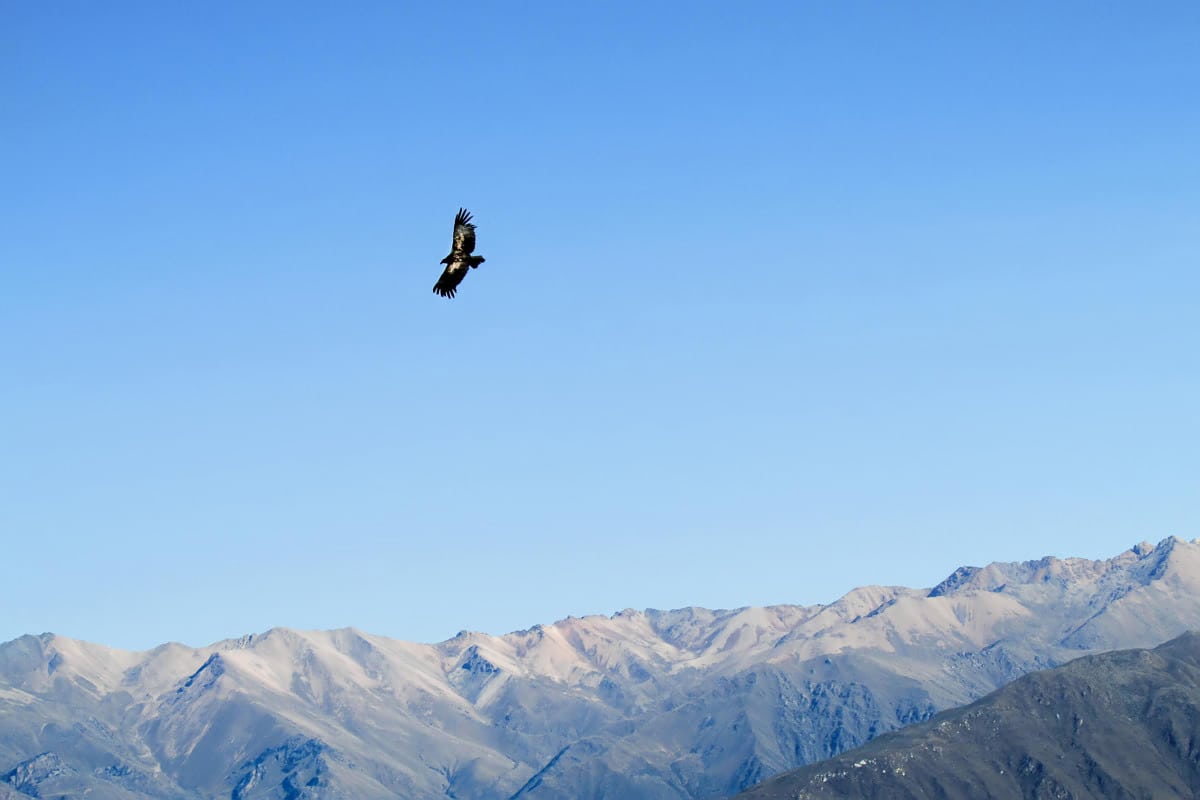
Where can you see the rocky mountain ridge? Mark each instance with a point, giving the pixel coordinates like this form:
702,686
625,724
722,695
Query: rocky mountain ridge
1120,724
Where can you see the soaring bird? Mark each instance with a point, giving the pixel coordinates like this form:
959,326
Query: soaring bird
460,257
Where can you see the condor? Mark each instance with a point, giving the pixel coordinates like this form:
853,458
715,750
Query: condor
460,258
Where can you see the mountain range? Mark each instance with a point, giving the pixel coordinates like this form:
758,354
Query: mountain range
640,705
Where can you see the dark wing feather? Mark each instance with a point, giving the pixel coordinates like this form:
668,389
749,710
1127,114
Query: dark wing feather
464,234
451,277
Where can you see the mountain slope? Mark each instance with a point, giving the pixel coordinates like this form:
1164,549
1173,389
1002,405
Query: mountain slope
1118,725
691,703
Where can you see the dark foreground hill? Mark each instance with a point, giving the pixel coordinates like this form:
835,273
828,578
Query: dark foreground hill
1119,725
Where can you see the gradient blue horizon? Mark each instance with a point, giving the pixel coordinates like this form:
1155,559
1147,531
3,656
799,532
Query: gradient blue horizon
779,300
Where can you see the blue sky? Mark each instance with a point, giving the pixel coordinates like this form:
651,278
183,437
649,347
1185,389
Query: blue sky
780,299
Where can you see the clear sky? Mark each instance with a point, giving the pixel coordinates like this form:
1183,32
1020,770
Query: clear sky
780,299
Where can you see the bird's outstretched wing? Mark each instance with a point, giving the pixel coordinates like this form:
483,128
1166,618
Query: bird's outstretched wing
451,277
464,234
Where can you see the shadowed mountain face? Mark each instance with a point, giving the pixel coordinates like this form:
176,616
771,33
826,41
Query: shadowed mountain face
690,703
1117,725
